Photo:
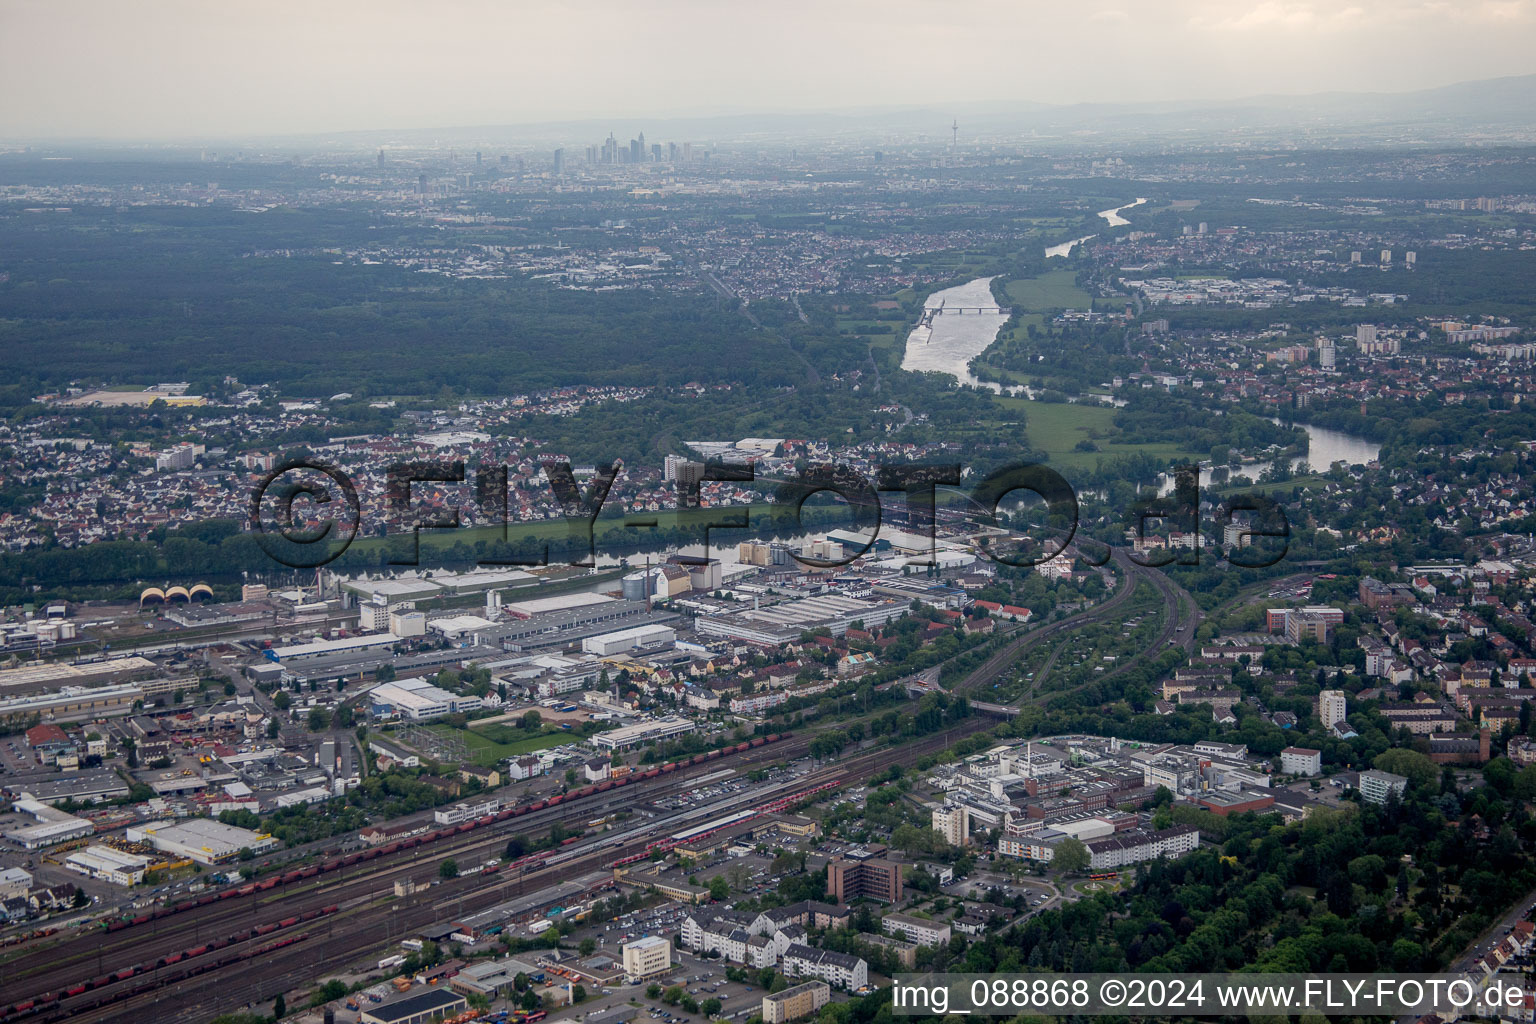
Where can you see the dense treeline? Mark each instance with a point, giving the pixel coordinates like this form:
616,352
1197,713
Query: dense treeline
144,295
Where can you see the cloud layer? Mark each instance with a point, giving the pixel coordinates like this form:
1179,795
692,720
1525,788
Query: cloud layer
178,68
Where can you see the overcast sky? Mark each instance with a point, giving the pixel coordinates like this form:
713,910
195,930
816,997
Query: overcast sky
219,68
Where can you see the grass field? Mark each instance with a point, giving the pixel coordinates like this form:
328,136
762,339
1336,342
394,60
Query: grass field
1057,427
1055,289
486,752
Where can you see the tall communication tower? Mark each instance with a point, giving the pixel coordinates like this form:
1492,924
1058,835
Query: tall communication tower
954,134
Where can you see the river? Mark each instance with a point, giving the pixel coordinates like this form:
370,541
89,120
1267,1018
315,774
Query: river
1324,448
956,338
1111,217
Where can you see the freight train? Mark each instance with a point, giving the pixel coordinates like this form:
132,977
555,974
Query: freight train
339,862
90,993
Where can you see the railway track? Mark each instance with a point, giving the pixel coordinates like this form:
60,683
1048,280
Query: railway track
1182,617
55,963
372,920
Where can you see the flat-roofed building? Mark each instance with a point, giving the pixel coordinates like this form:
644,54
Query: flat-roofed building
74,703
491,978
108,864
417,1007
905,952
319,648
628,736
417,700
870,877
1301,761
922,931
462,812
646,637
1376,787
14,882
647,957
202,840
53,826
87,787
795,1002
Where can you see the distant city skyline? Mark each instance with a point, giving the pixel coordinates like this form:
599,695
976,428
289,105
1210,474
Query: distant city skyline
178,69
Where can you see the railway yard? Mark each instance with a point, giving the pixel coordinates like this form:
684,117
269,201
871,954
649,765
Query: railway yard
347,901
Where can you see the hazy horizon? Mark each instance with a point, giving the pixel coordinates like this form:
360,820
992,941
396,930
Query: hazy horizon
178,70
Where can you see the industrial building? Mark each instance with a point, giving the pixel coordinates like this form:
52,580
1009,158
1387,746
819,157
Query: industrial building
554,621
73,703
417,1007
201,839
53,826
640,733
418,700
108,864
783,623
648,637
85,787
53,675
319,648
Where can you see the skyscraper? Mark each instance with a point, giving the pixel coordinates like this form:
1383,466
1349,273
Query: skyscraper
559,161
